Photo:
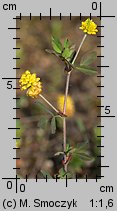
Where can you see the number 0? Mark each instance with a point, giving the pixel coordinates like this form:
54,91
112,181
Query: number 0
9,185
94,6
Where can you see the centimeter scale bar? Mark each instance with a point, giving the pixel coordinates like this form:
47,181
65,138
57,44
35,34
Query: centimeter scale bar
46,178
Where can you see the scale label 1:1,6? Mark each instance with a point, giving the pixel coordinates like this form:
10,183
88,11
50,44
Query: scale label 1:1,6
101,203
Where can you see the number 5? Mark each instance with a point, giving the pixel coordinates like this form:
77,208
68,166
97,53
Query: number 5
9,85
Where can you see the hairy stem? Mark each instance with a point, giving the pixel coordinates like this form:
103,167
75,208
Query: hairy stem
65,105
64,120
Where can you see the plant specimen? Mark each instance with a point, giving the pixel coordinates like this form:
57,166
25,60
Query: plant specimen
68,54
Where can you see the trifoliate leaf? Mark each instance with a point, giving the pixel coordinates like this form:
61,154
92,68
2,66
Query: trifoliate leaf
56,44
88,59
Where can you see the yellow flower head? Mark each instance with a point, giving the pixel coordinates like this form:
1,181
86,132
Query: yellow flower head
27,80
89,27
32,83
70,109
35,90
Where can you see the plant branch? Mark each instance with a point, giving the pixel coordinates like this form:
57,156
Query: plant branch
64,120
79,48
65,105
66,92
57,111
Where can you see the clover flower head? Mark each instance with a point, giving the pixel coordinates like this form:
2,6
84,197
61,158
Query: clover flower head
34,90
89,27
70,108
31,83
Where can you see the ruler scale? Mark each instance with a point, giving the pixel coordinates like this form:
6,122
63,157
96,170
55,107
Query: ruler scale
99,193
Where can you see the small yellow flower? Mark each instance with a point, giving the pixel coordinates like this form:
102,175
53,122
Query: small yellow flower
34,90
70,109
28,79
89,27
31,83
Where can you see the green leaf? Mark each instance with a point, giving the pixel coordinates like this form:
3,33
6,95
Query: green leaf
82,147
76,163
83,153
88,59
67,49
86,70
68,148
67,53
53,125
66,43
56,44
84,156
43,121
45,173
